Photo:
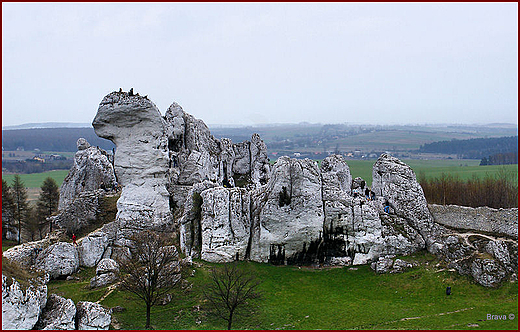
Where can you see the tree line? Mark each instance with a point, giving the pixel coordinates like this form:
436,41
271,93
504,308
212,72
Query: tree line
51,139
500,159
499,191
475,148
18,215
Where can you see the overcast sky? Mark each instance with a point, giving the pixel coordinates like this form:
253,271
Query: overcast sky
378,63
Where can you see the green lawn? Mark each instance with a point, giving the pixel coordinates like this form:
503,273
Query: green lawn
35,180
336,298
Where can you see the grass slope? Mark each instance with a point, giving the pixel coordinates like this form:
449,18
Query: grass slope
336,298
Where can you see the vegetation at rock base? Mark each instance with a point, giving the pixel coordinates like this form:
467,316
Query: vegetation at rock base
328,298
12,269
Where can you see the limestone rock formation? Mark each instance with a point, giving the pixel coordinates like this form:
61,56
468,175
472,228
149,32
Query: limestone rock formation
499,222
91,170
225,224
141,160
91,248
290,221
79,213
92,316
59,259
25,254
107,272
59,314
395,181
21,307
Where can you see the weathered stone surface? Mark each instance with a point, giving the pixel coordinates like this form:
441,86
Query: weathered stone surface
290,221
259,161
21,307
103,280
141,159
91,248
395,181
59,259
92,316
107,265
107,272
225,224
498,222
487,272
190,223
59,314
91,170
79,212
25,254
389,264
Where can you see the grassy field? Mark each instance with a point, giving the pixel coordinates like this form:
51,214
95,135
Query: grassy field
464,168
335,298
35,180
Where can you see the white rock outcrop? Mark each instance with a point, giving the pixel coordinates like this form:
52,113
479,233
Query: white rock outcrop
141,161
92,316
21,306
107,272
91,248
225,224
59,314
91,170
59,259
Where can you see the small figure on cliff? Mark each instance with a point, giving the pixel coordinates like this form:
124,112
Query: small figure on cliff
367,193
131,92
74,239
387,206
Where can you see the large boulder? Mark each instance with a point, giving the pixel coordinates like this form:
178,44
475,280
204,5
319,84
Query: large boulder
80,212
59,259
22,305
91,170
25,254
59,314
91,248
92,316
107,272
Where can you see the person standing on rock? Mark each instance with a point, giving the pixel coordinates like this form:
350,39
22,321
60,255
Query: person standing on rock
74,239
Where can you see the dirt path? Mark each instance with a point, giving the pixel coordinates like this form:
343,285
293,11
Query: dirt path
111,288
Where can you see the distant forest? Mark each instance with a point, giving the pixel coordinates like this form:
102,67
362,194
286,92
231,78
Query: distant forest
476,148
51,139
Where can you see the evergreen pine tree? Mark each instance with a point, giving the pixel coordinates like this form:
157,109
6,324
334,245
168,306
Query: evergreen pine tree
48,201
20,203
7,208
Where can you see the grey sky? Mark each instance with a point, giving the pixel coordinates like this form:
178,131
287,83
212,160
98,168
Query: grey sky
265,63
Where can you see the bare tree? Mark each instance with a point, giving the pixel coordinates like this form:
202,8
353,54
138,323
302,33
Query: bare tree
230,290
152,270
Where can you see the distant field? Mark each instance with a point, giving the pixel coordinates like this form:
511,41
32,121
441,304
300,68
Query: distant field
35,180
464,168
